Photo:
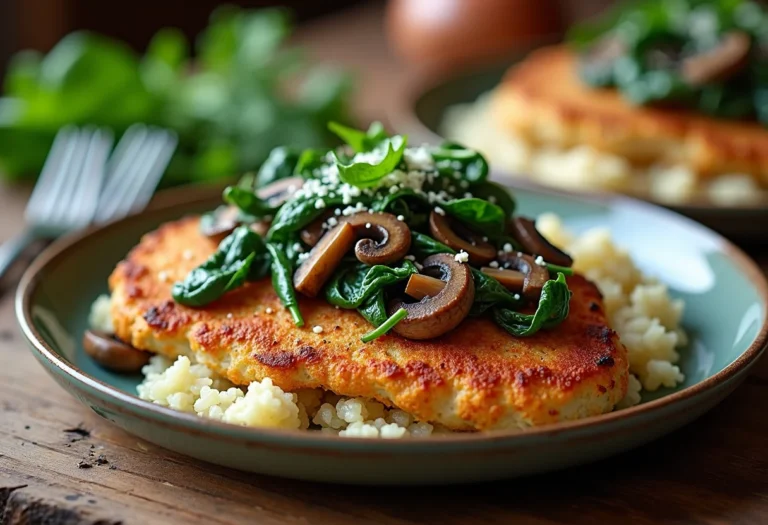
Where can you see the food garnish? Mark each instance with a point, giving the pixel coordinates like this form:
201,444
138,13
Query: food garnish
112,353
709,56
404,235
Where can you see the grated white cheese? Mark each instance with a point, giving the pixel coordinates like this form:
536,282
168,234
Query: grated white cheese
461,257
439,210
317,329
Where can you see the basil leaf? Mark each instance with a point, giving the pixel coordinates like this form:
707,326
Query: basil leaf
553,308
247,201
364,175
360,141
490,191
225,270
280,164
282,282
353,285
455,157
480,214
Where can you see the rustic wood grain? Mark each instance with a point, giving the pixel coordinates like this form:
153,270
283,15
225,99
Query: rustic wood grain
713,471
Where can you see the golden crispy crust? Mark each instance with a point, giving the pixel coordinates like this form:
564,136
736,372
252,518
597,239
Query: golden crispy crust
476,377
543,99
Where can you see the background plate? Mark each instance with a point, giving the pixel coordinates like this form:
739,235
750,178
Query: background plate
423,105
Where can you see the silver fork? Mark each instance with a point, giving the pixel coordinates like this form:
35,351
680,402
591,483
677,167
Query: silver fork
69,194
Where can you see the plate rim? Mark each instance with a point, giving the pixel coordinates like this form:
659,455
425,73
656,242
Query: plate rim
166,200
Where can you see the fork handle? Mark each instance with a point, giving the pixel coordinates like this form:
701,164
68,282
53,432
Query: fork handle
13,247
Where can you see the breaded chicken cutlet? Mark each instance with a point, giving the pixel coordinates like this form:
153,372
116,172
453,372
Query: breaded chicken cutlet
476,377
544,101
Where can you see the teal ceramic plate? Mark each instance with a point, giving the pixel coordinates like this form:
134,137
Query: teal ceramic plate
727,300
420,110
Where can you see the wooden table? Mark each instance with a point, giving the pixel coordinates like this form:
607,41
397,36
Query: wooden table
712,471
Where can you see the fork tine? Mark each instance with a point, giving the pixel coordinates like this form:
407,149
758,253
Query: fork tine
135,171
86,194
61,143
67,207
127,152
64,179
159,150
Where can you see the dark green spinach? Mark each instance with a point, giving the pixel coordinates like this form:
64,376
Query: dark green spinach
248,202
552,310
451,157
282,282
280,164
354,284
239,257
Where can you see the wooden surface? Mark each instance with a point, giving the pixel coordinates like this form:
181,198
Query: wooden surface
713,471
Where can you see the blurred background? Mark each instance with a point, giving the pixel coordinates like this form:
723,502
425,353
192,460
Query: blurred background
235,83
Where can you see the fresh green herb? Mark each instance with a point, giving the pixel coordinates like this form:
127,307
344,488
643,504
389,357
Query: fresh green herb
552,310
228,103
422,246
490,293
225,270
556,268
374,310
297,213
282,282
452,157
359,141
247,201
477,213
386,326
309,161
354,284
280,164
496,194
365,175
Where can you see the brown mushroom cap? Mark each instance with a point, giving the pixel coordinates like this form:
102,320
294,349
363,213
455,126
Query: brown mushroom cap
524,232
383,238
436,315
719,63
113,354
313,232
316,269
227,218
535,276
480,252
276,193
224,221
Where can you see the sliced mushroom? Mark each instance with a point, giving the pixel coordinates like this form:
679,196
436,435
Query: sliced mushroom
433,316
480,251
420,286
312,274
534,276
524,231
383,238
312,233
719,63
113,354
220,223
223,221
279,191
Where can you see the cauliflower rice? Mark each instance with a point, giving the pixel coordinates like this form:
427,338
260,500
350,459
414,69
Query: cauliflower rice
639,308
585,168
